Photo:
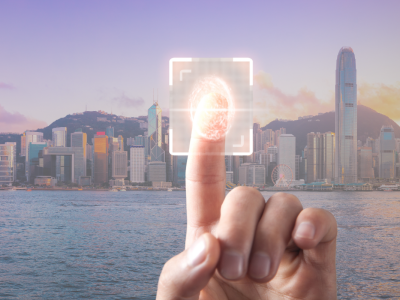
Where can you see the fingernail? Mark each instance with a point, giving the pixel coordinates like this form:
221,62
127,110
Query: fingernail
231,265
259,265
197,252
305,230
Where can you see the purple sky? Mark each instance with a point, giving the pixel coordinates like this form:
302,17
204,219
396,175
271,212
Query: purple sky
56,57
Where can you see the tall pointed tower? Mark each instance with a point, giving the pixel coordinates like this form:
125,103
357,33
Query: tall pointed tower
346,117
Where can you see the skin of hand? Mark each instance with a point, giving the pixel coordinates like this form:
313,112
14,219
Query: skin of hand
240,247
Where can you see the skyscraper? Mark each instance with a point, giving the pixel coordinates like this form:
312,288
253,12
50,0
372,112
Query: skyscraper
100,158
387,148
346,117
8,164
110,131
59,137
155,133
31,137
119,164
137,164
79,139
287,151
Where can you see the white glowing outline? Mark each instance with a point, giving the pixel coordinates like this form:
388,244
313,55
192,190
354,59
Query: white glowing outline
188,59
187,153
171,61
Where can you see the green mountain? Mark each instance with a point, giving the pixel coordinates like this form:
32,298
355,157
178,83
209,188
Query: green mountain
369,124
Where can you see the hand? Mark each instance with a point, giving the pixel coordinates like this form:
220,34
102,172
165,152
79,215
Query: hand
239,247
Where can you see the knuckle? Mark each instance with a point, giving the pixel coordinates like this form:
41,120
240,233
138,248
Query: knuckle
285,199
244,196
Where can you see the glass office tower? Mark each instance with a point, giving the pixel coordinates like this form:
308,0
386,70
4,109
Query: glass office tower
155,133
346,117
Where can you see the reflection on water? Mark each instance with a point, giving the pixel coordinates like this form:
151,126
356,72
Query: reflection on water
101,245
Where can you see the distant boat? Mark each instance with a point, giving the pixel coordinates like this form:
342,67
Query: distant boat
29,190
113,190
80,189
122,190
169,190
389,187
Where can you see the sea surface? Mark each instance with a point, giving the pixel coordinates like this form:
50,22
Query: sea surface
103,245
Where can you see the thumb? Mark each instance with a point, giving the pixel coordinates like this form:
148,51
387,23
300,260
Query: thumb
186,274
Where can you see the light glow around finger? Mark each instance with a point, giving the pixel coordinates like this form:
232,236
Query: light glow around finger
211,108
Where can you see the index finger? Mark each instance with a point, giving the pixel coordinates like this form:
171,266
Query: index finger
205,170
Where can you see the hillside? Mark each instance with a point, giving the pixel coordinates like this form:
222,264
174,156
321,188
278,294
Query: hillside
369,124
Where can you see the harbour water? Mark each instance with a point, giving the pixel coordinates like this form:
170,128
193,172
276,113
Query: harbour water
102,245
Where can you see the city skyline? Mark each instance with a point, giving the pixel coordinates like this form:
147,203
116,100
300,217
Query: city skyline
66,56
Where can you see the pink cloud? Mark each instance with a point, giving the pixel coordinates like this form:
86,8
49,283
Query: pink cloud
6,86
16,122
278,104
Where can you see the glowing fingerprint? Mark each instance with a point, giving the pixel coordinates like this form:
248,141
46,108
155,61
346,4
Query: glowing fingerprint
211,108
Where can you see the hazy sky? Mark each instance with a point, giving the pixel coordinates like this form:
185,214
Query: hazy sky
56,57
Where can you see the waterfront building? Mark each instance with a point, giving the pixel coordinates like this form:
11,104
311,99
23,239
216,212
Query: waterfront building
79,139
252,174
168,158
237,161
137,166
320,156
157,171
45,181
89,159
100,158
365,163
110,132
287,151
85,180
31,137
229,163
229,176
8,163
179,169
297,160
155,133
387,148
23,145
346,117
119,164
72,163
33,158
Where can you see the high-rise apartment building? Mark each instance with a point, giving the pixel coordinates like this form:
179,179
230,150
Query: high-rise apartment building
34,149
119,164
23,145
155,133
287,151
79,139
179,169
137,164
365,163
252,174
100,158
59,137
387,148
8,163
157,171
346,117
31,137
